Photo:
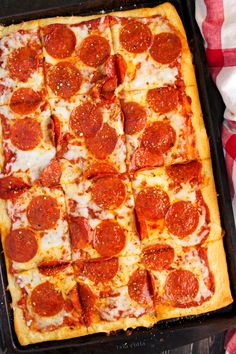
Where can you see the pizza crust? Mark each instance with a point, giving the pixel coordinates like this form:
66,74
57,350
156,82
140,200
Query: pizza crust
29,25
202,141
222,296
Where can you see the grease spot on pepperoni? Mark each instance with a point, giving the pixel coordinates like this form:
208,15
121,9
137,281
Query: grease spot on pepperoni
21,245
86,119
99,169
103,143
64,79
182,218
135,37
94,50
50,268
183,173
51,175
87,300
158,257
43,212
139,287
22,63
101,269
11,187
26,134
163,99
59,40
46,300
166,47
159,137
142,158
109,238
25,100
80,232
108,192
135,117
181,287
152,203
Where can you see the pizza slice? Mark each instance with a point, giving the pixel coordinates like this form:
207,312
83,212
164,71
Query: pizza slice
78,56
46,305
163,126
188,281
34,230
27,147
101,217
177,202
152,48
21,61
121,293
88,132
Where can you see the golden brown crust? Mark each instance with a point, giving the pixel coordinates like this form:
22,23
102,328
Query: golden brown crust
202,141
222,296
5,31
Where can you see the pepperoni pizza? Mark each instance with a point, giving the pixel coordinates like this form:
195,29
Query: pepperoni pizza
109,216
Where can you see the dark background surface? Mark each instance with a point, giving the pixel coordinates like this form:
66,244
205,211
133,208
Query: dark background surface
210,345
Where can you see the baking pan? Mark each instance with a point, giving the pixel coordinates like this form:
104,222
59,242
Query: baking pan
170,333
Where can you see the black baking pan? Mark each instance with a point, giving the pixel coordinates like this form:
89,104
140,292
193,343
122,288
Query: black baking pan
166,334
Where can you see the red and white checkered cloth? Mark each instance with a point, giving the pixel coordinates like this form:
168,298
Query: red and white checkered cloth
217,22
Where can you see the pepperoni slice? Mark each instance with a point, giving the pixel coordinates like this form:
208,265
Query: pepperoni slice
56,130
139,287
121,68
135,37
163,99
22,63
99,170
21,245
183,173
182,218
159,137
50,268
108,192
166,47
181,287
26,134
109,238
103,143
11,187
80,232
51,175
64,79
43,212
59,40
135,117
25,100
144,158
152,203
88,301
94,50
158,257
46,300
86,119
101,270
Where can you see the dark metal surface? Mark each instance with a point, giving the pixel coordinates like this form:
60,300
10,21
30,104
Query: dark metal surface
168,334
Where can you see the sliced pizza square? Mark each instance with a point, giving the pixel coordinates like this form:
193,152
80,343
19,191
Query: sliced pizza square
120,292
163,126
34,230
78,56
152,48
21,61
188,280
46,305
27,146
177,202
88,132
101,217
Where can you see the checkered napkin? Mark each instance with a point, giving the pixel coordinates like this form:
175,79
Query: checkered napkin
217,22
